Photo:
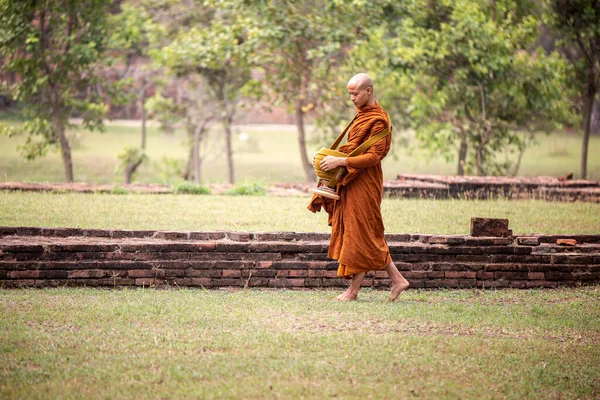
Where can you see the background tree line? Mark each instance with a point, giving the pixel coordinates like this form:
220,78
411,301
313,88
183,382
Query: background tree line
476,80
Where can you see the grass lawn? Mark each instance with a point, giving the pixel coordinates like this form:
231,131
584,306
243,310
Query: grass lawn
85,343
269,213
270,154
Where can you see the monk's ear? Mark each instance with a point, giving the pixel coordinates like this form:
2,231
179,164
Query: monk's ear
369,90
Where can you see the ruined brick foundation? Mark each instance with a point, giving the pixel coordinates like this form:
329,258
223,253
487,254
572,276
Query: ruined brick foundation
48,257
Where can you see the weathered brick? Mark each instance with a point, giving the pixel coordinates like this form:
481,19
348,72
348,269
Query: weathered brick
518,284
298,273
148,281
490,227
313,282
415,274
470,258
204,282
145,273
536,276
258,282
528,241
239,236
172,235
203,273
285,282
435,274
315,273
460,274
231,273
29,274
441,283
88,273
290,265
571,259
510,275
566,242
260,273
484,275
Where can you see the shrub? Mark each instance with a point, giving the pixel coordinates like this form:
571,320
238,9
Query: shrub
248,188
190,188
119,190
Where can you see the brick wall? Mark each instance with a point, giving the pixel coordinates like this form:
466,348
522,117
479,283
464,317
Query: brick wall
40,257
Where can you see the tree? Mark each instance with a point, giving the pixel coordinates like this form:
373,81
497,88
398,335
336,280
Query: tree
578,21
130,42
53,47
222,54
191,107
301,47
476,80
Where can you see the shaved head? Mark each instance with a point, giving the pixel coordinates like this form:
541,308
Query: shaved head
361,81
360,88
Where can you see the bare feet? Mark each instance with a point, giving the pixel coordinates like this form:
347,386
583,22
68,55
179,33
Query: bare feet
398,288
347,296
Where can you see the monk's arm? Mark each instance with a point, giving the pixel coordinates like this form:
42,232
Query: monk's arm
373,155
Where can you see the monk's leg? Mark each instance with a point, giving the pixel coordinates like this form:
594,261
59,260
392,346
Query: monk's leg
399,283
352,292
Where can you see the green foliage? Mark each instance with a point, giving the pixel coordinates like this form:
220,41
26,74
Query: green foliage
53,47
466,73
120,190
190,188
248,188
128,157
169,169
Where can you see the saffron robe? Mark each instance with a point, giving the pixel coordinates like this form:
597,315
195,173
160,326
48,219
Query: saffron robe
357,232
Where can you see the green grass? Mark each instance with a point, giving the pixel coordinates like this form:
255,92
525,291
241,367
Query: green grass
269,213
270,154
84,343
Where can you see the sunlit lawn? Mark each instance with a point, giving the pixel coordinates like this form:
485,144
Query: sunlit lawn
132,344
269,154
270,213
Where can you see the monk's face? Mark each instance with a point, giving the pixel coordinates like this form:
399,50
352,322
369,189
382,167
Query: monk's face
358,95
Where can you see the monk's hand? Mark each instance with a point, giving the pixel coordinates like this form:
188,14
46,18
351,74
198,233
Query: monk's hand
332,162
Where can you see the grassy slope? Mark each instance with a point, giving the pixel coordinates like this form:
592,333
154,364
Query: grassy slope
81,343
253,213
270,154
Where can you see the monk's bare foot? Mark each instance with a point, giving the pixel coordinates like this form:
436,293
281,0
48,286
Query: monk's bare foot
347,296
398,288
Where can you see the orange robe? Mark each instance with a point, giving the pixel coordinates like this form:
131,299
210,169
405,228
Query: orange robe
357,232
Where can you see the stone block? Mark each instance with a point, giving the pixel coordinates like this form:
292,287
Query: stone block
495,227
172,235
528,241
239,236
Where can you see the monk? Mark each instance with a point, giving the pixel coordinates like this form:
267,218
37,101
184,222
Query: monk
357,232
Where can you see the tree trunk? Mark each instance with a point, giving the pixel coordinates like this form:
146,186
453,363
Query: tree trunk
130,170
480,170
587,121
196,159
228,149
187,172
65,147
143,113
133,166
308,169
462,156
